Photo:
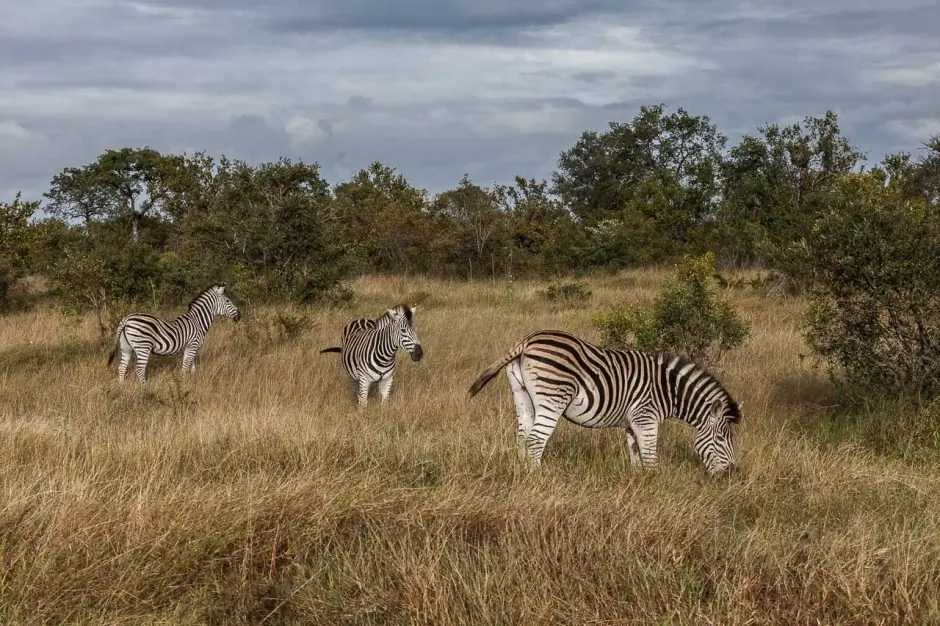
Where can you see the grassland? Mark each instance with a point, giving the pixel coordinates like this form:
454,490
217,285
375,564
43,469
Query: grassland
257,493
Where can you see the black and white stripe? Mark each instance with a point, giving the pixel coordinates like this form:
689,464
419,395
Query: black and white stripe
369,348
554,374
142,334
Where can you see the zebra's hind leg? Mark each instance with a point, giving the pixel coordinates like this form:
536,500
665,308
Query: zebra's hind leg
126,353
548,410
141,357
525,412
385,386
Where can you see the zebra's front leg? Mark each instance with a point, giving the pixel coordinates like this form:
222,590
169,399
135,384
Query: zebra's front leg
363,394
385,386
632,448
646,431
189,359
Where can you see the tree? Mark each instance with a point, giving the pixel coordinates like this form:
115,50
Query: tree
475,212
75,193
656,179
15,243
133,174
382,220
532,221
777,184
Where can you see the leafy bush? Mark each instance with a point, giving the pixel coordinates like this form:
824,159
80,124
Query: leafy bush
15,243
687,317
264,328
874,311
567,293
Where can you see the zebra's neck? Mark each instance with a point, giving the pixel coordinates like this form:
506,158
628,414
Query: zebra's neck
389,336
201,315
693,389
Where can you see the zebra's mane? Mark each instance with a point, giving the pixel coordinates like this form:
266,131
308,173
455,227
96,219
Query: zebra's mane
199,297
409,314
733,410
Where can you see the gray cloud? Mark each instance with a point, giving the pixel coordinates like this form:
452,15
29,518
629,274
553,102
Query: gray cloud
438,88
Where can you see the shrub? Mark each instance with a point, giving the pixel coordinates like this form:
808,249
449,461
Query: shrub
15,243
567,293
874,311
273,329
688,317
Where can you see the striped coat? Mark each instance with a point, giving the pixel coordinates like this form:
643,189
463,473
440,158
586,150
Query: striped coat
369,348
553,374
141,334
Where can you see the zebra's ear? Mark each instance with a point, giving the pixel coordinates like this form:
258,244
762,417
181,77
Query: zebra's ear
392,313
414,309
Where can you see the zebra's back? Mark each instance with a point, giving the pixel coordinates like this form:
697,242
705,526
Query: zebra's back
161,336
600,388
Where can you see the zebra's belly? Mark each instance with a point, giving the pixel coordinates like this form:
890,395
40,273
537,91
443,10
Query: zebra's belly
591,412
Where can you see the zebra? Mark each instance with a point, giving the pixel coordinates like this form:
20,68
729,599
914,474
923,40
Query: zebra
553,374
142,334
369,348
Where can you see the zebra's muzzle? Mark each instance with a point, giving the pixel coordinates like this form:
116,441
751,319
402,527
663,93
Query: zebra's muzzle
237,316
417,353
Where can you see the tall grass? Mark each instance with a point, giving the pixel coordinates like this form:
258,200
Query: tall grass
256,492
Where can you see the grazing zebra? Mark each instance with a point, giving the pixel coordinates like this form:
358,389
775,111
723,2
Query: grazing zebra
369,348
142,334
554,374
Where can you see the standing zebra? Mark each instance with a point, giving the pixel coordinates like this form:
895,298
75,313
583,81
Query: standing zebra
142,334
554,374
369,348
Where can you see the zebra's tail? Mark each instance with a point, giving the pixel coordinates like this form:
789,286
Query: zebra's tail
334,349
117,342
494,369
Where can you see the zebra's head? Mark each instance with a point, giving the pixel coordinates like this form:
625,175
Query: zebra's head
714,441
222,305
402,318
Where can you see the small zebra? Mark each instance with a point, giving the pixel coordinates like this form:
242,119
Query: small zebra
369,348
142,334
553,374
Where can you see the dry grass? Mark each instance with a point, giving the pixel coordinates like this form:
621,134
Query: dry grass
257,493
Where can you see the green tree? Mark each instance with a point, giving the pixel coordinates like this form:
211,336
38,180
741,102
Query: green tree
382,221
15,243
644,189
76,193
532,222
473,215
134,176
776,185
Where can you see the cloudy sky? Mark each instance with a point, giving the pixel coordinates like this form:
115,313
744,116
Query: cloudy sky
437,88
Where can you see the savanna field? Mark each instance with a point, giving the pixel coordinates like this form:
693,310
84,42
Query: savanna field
256,492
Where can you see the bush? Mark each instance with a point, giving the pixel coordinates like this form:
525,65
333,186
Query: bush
688,317
874,311
273,329
567,293
15,243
